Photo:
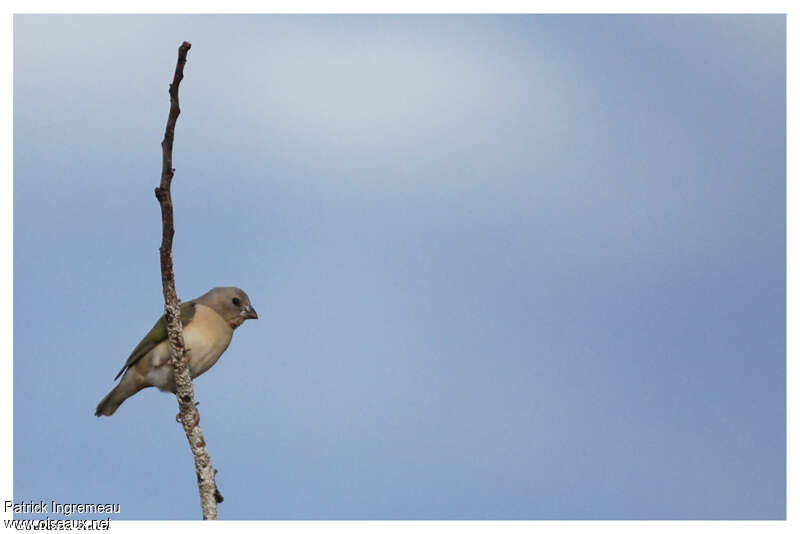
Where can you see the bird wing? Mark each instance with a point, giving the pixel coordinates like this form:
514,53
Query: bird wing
157,334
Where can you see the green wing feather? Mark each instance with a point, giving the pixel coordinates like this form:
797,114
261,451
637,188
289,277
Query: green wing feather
156,335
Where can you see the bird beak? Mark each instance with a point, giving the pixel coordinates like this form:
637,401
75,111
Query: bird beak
249,312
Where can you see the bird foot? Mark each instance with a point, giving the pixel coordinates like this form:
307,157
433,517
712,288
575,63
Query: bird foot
197,420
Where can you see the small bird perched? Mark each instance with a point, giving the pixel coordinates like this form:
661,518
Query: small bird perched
208,325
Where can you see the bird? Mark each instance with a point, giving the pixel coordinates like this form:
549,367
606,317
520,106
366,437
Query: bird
208,325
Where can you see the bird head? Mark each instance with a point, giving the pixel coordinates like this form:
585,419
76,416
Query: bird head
231,303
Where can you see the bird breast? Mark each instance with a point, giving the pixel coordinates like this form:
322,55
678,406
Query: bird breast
206,336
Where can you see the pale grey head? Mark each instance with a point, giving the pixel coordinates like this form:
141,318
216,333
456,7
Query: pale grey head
231,303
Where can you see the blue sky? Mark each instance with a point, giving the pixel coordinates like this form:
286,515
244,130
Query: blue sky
506,267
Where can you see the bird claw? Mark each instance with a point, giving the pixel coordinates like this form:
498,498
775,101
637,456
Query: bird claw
197,420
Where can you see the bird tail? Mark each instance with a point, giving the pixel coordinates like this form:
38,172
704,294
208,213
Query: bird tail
110,402
126,387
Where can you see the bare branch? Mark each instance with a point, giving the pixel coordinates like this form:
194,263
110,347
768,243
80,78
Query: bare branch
189,416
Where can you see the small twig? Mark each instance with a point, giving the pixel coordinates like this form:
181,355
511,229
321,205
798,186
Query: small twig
189,416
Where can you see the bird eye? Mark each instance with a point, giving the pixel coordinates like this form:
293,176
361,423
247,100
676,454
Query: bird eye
236,301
